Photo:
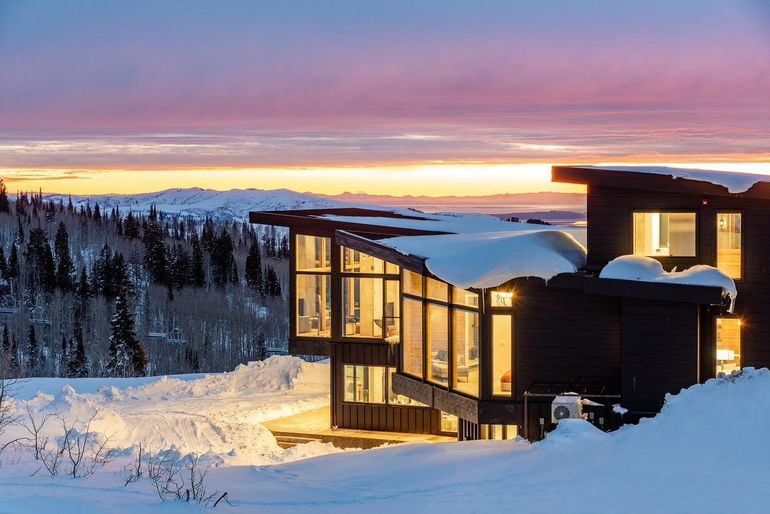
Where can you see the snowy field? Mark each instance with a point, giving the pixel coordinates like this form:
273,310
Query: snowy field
707,452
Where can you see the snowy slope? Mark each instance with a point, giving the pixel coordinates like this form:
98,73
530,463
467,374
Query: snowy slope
196,202
707,452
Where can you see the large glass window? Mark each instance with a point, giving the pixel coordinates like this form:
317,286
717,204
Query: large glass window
664,234
354,261
412,283
313,305
502,340
392,311
465,297
465,345
364,384
449,422
502,299
437,290
728,345
438,343
499,432
363,306
411,338
729,243
313,253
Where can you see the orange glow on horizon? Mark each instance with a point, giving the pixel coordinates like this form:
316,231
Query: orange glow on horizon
472,179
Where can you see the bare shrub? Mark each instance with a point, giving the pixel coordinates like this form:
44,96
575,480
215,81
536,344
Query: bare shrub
36,442
8,414
180,479
77,451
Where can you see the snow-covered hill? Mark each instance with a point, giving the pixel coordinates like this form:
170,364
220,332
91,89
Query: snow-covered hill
708,451
199,203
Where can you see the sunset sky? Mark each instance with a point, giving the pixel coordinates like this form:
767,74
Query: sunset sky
427,97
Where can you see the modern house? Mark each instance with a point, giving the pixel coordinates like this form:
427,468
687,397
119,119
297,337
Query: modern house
469,325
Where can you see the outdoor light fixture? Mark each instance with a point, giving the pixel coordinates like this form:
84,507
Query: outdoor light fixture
502,299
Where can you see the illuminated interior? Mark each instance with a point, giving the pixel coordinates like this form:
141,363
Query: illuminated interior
370,297
465,346
373,384
728,345
313,305
465,297
449,422
438,343
313,286
436,290
412,283
502,299
502,357
664,234
729,243
313,253
412,337
499,432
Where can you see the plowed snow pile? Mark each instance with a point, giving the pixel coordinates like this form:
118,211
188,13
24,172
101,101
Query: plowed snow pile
217,414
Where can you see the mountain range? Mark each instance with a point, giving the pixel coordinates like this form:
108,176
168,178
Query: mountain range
235,204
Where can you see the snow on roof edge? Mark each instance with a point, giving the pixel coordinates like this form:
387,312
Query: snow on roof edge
734,181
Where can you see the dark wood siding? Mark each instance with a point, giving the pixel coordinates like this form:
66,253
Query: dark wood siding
563,336
660,351
364,416
609,236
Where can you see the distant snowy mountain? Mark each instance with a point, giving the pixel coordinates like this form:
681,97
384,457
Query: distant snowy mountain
199,203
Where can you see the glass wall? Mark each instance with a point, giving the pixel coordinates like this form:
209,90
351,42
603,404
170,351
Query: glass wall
729,243
438,343
412,283
313,253
465,346
502,356
728,345
437,290
365,384
411,338
373,384
499,432
362,302
664,234
449,422
369,297
313,305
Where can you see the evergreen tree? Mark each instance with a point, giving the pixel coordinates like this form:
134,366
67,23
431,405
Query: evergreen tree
222,259
3,264
208,236
272,284
64,265
78,363
198,271
181,267
83,290
155,253
49,270
13,263
253,270
5,205
127,357
64,358
33,352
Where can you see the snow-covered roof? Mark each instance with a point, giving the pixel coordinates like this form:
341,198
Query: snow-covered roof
647,269
488,259
735,182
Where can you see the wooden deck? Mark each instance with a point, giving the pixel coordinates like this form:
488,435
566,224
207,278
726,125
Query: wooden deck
314,426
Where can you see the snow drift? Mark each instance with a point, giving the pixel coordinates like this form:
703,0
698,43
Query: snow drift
647,269
489,259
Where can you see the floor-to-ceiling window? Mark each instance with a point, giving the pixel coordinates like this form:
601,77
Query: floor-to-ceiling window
372,384
729,232
369,297
465,342
438,343
411,337
664,234
502,354
313,286
728,357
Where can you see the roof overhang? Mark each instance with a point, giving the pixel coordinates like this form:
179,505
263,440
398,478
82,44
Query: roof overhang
685,293
650,182
313,222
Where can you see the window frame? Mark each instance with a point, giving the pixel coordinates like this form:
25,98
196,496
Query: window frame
667,258
384,278
389,372
451,307
742,212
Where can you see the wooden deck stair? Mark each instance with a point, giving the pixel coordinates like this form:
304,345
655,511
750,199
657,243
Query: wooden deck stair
288,440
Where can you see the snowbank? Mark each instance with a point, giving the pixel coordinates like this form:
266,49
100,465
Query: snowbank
647,269
489,259
217,414
733,181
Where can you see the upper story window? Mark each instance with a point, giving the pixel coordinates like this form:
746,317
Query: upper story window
312,257
729,243
313,253
664,234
